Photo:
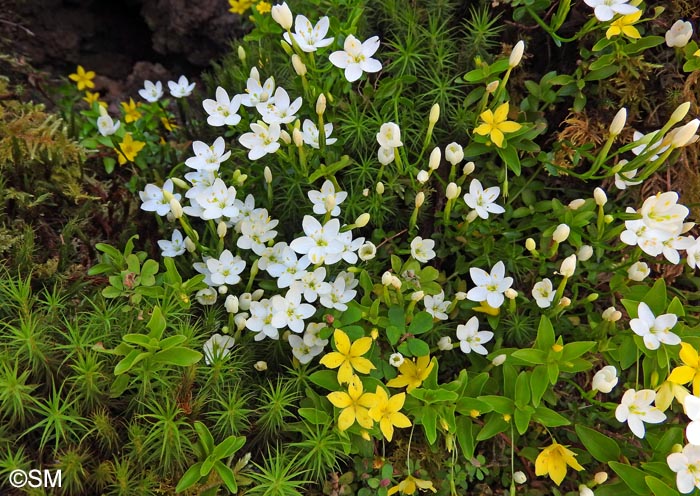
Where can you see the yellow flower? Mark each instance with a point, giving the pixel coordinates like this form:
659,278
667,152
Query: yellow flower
625,25
410,484
690,372
263,7
129,149
496,123
93,97
348,356
553,461
386,411
82,78
131,114
168,124
666,392
412,373
239,6
355,405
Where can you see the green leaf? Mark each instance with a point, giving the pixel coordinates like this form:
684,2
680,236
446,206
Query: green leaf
422,322
534,356
522,390
509,155
549,418
111,292
327,379
189,478
227,476
396,317
600,446
128,361
633,477
178,355
466,436
351,315
148,272
429,421
545,335
393,334
417,347
643,44
204,436
156,324
676,307
315,416
656,297
172,341
539,382
493,426
500,404
228,447
576,349
659,488
522,420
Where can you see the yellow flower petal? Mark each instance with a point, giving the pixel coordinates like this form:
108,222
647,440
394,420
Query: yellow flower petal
682,374
400,420
363,418
387,428
345,373
556,467
612,31
396,402
483,129
631,32
362,365
501,113
332,360
541,462
361,346
342,342
689,355
497,138
339,399
346,418
398,382
487,116
509,127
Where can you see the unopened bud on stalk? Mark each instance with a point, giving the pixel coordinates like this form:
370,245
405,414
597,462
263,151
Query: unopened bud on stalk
282,16
261,365
241,53
608,219
268,175
189,245
511,294
284,135
365,192
321,104
584,253
611,314
297,137
434,114
180,183
395,282
454,153
422,176
618,122
600,477
244,301
417,295
685,134
565,302
568,266
231,304
561,233
240,320
221,229
420,198
492,86
468,168
175,208
223,289
679,114
519,477
299,66
435,157
362,220
386,278
380,188
592,297
257,294
445,343
452,191
530,244
499,360
600,197
517,54
577,203
460,296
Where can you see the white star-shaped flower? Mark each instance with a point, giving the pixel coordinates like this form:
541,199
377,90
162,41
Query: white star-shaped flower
181,88
605,10
309,37
635,409
471,338
482,200
262,140
224,110
356,57
151,92
654,330
489,287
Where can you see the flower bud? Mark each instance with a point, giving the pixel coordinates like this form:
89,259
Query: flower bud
417,295
492,86
435,157
611,314
396,282
178,182
584,490
452,191
608,219
568,266
561,233
380,188
189,245
565,302
386,278
600,477
434,114
605,379
498,360
685,134
223,289
422,176
592,297
221,229
362,220
365,192
510,293
577,203
468,168
367,251
244,301
231,304
175,208
299,66
600,197
679,114
260,365
257,294
282,16
454,153
638,271
241,53
460,296
284,136
584,253
420,198
297,137
445,343
517,54
530,244
321,104
268,175
519,477
240,320
618,122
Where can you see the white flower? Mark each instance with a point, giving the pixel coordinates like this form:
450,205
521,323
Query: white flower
389,135
255,92
691,405
263,140
231,304
624,179
482,200
422,249
320,240
645,139
561,233
356,57
385,156
654,330
174,247
686,464
151,92
309,283
282,15
206,157
489,287
436,306
605,379
422,176
638,271
471,339
302,351
672,245
584,490
217,347
543,293
454,153
309,37
182,88
568,266
638,233
584,253
105,125
291,312
262,320
217,201
310,133
517,54
222,111
445,343
337,294
396,359
679,34
225,269
327,200
663,213
154,200
367,251
206,296
280,109
635,409
256,230
605,10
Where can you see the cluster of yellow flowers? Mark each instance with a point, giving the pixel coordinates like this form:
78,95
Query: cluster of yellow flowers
240,7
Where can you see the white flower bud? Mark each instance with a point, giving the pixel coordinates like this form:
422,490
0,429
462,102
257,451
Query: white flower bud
257,294
584,253
435,157
445,343
417,295
677,116
468,168
178,182
223,289
241,53
362,220
297,137
299,66
386,278
420,198
517,54
244,301
380,188
434,114
365,192
175,208
565,302
498,360
605,379
189,245
321,104
282,16
284,136
519,477
221,229
367,251
600,197
679,34
568,266
530,244
268,175
452,191
260,366
454,153
618,122
638,271
561,233
231,304
471,216
584,490
240,320
577,203
611,314
600,477
684,135
422,176
460,296
492,86
396,359
510,293
396,282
